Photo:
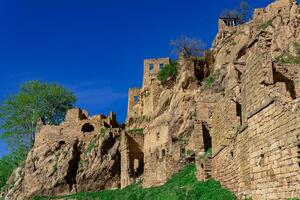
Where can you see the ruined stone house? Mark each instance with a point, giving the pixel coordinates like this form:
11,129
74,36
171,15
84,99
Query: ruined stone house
252,125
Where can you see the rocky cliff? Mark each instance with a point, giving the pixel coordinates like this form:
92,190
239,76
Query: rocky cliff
234,112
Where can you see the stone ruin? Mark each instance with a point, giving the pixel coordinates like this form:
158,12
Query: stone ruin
242,130
251,124
77,124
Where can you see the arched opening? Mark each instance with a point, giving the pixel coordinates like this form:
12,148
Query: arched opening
87,128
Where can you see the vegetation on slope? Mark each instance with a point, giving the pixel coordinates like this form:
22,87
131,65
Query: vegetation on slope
35,100
8,164
183,185
168,72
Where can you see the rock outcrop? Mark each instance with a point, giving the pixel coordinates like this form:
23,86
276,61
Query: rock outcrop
81,154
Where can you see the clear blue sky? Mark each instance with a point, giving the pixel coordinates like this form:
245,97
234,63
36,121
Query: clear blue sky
95,47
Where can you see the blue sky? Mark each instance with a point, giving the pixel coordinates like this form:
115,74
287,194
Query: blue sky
95,47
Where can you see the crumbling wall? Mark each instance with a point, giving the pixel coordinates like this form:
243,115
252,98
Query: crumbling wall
133,100
152,68
132,158
77,124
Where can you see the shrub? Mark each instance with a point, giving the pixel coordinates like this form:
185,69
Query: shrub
266,25
209,81
169,71
190,152
287,58
9,163
103,131
136,131
297,46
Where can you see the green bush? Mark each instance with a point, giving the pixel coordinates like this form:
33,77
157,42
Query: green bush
136,131
210,80
266,25
169,71
297,46
182,185
190,152
103,131
287,58
9,163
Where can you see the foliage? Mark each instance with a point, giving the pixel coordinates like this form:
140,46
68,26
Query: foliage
103,131
91,146
169,71
242,13
35,100
136,131
9,163
287,58
297,47
190,152
183,185
210,80
207,153
266,25
187,47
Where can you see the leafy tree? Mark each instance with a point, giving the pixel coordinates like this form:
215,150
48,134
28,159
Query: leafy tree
169,71
242,13
10,162
36,100
188,47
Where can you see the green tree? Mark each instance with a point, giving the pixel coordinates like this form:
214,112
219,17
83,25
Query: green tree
9,163
35,100
168,72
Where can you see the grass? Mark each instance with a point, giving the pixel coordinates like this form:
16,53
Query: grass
190,152
136,131
169,71
287,58
182,186
266,25
91,146
103,131
297,46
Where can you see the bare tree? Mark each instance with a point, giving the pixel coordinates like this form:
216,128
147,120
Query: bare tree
188,47
242,13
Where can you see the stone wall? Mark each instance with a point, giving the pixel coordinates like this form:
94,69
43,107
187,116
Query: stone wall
77,124
152,68
134,96
132,158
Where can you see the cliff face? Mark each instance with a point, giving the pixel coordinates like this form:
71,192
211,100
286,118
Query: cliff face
81,154
234,113
246,111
